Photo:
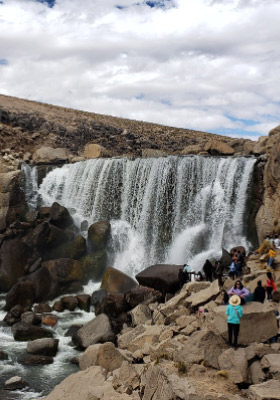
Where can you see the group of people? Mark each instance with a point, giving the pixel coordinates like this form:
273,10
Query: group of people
269,246
237,264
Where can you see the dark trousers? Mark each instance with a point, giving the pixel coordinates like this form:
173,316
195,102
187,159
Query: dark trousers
233,328
269,292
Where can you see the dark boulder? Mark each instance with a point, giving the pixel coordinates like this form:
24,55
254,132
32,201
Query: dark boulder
115,281
22,293
31,318
98,296
25,332
98,235
162,277
74,248
42,308
72,330
13,259
142,294
3,355
59,216
84,302
94,265
112,305
45,347
64,270
36,360
69,302
58,306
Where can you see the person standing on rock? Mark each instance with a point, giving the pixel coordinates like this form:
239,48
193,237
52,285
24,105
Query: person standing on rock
259,293
271,257
270,285
234,312
208,270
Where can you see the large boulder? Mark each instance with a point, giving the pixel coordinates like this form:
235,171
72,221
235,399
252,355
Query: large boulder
235,364
113,304
93,150
13,258
49,155
163,277
59,216
257,315
105,355
44,346
98,235
271,363
269,390
25,332
115,281
22,293
75,249
142,294
217,147
96,331
205,295
94,265
64,270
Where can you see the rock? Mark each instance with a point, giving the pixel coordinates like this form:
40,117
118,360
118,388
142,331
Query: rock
94,265
59,216
152,153
64,269
48,155
104,355
69,302
13,258
45,347
269,390
142,295
261,316
89,384
115,281
112,305
36,360
215,147
49,320
96,331
15,383
256,374
235,363
22,293
72,330
271,364
205,295
95,151
24,332
162,277
143,336
58,306
140,314
30,318
42,308
98,235
3,355
192,149
98,296
84,301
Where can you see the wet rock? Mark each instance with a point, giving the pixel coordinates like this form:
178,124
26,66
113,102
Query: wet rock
42,308
115,281
3,355
59,216
84,301
72,330
94,265
98,296
58,306
64,270
96,331
69,302
98,235
31,318
24,332
15,383
49,320
22,293
45,346
36,360
162,277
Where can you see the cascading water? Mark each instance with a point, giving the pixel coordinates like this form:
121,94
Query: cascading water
173,209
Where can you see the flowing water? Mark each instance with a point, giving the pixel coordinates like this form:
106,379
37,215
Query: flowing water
162,210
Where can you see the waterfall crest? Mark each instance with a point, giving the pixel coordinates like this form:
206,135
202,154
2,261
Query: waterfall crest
173,209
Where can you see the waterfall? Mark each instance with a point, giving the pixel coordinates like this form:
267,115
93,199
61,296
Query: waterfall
30,185
171,209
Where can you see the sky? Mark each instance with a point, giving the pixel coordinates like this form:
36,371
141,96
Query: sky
209,65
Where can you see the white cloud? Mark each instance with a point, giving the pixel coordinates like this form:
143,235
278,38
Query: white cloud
202,64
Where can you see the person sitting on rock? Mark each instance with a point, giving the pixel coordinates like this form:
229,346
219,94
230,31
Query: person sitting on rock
259,293
234,312
239,290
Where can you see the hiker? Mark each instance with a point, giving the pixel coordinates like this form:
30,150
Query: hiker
259,293
232,270
234,312
270,285
208,270
239,290
239,263
271,257
219,269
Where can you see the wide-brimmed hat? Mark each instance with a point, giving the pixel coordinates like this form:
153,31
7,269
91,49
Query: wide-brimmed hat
235,300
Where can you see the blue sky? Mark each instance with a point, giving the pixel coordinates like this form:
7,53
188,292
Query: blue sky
200,64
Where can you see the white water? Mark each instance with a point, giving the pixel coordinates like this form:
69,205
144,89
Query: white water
173,209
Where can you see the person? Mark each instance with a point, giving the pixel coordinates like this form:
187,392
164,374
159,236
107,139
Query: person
219,270
277,242
187,271
232,270
239,290
270,285
234,312
225,297
259,293
239,263
198,277
208,270
271,257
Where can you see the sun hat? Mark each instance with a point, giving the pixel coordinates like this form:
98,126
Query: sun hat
234,300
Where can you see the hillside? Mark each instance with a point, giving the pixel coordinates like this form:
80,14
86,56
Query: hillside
27,125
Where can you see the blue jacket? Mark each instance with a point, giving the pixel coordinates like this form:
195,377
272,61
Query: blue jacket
234,317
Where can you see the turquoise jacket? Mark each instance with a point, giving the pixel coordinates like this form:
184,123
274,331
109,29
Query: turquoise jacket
234,317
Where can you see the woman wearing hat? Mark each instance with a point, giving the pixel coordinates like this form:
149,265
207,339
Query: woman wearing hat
234,312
